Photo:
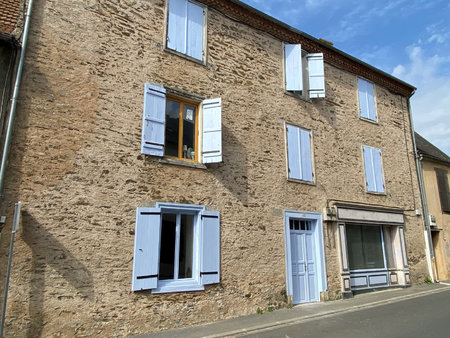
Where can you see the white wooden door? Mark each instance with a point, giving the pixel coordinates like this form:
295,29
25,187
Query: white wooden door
304,269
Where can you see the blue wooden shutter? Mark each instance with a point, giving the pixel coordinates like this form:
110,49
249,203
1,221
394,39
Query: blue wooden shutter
293,67
369,169
378,170
316,75
212,131
210,255
362,95
293,152
176,32
305,150
370,101
146,248
299,153
194,43
153,123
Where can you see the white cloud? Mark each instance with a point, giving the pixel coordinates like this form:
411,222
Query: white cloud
430,104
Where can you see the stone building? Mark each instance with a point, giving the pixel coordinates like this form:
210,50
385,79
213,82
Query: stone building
435,166
181,162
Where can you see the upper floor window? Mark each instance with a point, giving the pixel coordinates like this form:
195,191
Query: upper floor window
444,192
176,248
299,153
373,169
366,100
304,73
171,127
185,28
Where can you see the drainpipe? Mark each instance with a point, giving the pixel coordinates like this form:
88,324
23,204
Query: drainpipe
14,98
428,241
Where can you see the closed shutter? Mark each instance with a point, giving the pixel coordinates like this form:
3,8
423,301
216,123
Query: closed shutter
370,102
368,167
176,32
316,75
146,248
210,255
362,95
194,43
444,194
378,170
299,153
305,150
212,131
293,67
153,129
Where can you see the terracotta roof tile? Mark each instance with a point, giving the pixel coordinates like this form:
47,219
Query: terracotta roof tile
9,15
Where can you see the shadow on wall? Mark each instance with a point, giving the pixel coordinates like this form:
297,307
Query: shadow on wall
47,250
235,178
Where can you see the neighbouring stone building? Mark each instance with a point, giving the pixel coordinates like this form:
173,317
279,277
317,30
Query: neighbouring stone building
435,166
181,162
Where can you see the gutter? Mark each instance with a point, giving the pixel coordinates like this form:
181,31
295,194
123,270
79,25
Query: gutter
428,240
14,98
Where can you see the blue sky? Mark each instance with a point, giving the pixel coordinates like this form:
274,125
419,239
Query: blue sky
409,39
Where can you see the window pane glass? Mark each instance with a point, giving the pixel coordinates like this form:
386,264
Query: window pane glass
167,251
172,127
373,248
365,250
188,132
186,246
355,247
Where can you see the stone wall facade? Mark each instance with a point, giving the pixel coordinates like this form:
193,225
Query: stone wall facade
76,166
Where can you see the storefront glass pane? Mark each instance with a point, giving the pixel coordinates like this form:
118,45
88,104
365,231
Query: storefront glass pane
365,249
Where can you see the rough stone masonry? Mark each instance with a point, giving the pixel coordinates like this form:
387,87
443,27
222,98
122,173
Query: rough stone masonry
76,166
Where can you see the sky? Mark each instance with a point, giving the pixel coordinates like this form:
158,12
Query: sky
409,39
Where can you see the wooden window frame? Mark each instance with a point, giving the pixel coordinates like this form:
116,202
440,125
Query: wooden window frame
182,102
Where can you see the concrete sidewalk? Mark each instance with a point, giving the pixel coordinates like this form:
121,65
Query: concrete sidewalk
301,313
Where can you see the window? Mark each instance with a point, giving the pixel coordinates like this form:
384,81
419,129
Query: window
370,247
366,100
373,170
176,248
299,153
171,127
304,73
444,192
185,33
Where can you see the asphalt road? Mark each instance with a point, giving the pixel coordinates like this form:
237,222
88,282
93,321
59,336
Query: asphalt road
425,316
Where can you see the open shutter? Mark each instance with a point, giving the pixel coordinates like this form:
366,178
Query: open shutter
378,170
316,75
305,149
153,120
146,248
194,43
212,131
210,260
369,170
176,32
293,67
362,95
293,152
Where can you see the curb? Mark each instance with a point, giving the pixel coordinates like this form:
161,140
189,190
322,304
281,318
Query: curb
292,321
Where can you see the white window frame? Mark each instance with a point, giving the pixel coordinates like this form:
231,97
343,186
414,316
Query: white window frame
364,99
183,51
185,284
